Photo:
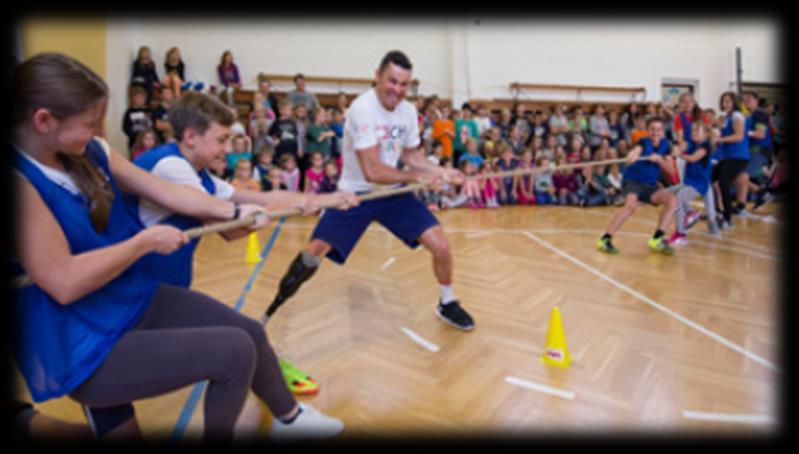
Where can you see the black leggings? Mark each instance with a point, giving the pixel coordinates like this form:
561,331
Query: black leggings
730,169
185,337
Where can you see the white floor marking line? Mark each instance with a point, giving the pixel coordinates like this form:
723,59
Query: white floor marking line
388,263
728,417
420,340
540,388
656,305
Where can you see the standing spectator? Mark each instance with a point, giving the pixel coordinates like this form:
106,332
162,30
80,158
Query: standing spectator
559,125
337,126
300,96
137,117
538,128
301,121
505,124
161,114
599,126
144,73
342,103
259,126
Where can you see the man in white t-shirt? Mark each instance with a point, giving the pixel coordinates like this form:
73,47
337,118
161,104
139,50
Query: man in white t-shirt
381,131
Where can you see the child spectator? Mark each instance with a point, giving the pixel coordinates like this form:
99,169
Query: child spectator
291,174
284,132
465,129
146,140
330,180
505,125
228,73
538,129
144,74
320,135
544,185
639,131
614,177
599,126
242,176
516,141
471,190
259,125
488,186
483,120
507,185
519,120
174,72
315,173
579,124
565,183
237,127
160,116
451,196
559,125
337,126
241,150
616,128
525,190
275,180
264,161
137,117
613,195
590,191
443,130
300,117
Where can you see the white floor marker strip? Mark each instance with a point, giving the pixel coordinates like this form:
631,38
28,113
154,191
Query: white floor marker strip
728,417
388,263
540,388
420,340
654,304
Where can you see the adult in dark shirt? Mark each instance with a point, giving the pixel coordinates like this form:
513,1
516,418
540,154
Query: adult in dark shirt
144,73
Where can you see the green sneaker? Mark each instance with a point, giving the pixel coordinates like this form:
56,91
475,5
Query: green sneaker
660,245
604,245
299,382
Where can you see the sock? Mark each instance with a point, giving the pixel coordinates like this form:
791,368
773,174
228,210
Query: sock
447,296
293,418
606,236
658,233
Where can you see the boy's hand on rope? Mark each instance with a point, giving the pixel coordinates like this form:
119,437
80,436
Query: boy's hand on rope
261,217
163,239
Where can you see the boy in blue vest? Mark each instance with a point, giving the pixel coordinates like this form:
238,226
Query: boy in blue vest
201,124
639,185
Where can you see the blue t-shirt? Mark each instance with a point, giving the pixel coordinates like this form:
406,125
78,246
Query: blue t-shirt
760,118
646,172
697,174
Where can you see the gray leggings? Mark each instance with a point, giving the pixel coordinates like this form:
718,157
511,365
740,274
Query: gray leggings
685,194
185,337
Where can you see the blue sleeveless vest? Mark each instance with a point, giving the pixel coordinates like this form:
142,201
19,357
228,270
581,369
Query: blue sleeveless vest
737,150
176,268
697,174
644,171
57,347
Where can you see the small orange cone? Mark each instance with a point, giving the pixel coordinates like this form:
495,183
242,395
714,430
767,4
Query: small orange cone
253,249
555,351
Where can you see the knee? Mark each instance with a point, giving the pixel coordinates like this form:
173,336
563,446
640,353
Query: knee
439,247
239,354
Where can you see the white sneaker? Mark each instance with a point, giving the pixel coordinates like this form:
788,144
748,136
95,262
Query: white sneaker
309,424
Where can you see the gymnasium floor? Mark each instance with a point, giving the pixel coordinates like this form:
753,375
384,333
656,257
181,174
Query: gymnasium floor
652,338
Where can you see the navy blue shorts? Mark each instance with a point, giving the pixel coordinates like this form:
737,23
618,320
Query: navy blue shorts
403,215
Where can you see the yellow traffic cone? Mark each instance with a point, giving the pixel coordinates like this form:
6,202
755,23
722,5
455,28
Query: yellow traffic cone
555,351
253,249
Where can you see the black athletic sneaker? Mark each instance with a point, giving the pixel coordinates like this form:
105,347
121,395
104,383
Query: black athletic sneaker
455,315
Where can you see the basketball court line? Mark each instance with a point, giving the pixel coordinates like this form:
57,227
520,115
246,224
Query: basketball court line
420,340
540,388
728,417
654,304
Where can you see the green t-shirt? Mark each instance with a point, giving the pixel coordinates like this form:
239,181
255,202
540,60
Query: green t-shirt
314,145
473,133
